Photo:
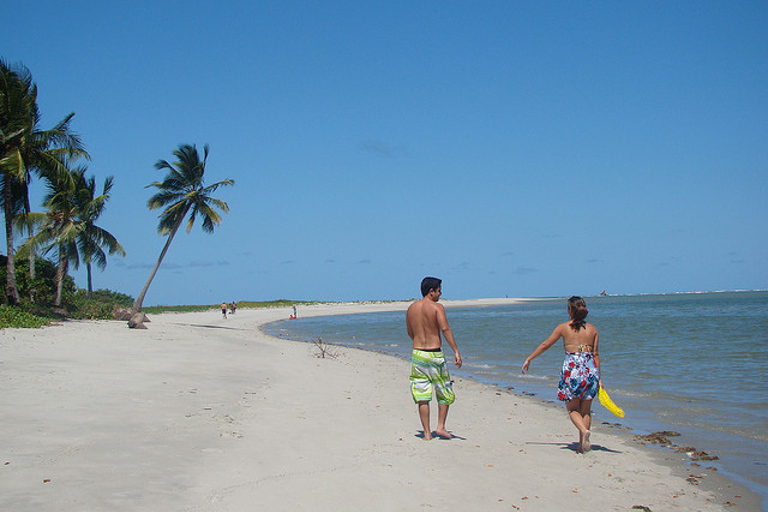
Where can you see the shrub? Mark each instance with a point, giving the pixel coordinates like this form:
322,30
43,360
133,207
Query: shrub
41,289
13,316
99,306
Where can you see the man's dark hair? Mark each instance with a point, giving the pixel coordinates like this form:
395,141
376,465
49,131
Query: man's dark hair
428,284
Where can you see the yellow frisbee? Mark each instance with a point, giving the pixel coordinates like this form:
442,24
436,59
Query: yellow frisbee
602,395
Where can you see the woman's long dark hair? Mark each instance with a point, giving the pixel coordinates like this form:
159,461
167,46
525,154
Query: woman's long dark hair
577,308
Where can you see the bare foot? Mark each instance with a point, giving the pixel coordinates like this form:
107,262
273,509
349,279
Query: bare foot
585,446
427,436
443,434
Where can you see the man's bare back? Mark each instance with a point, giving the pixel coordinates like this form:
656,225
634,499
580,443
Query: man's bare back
423,324
426,320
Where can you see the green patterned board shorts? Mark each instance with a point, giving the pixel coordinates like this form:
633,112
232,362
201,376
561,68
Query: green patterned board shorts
429,371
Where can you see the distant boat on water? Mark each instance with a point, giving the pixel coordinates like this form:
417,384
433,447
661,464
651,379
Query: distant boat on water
603,294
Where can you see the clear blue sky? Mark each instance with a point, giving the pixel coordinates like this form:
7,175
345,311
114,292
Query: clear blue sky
510,148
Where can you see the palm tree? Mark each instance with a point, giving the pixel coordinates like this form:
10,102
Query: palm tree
19,197
92,239
59,226
183,191
24,147
69,226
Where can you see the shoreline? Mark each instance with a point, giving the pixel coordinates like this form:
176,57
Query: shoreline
201,413
722,484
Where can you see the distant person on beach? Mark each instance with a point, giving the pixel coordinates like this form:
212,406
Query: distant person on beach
234,307
224,310
426,320
580,376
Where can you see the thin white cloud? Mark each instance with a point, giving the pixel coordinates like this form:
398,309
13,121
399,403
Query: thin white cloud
380,148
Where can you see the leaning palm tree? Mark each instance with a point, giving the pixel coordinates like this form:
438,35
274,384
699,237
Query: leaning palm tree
24,147
92,239
183,192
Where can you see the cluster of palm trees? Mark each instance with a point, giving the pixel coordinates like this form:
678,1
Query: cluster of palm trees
68,226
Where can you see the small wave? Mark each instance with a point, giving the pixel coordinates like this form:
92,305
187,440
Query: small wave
645,395
528,376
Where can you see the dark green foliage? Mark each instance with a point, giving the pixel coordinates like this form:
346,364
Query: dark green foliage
121,299
17,316
100,305
75,303
41,290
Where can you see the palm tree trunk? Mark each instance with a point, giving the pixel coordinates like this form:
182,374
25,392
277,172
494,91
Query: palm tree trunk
90,283
140,299
61,270
11,291
32,277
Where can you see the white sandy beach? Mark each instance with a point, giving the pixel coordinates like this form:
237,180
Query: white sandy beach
199,413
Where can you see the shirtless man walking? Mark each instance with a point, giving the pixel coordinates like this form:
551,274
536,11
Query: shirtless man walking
426,320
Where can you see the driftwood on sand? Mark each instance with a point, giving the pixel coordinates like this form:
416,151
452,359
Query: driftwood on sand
137,320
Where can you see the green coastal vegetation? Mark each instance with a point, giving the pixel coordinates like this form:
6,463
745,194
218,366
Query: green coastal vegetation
41,246
279,303
102,304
